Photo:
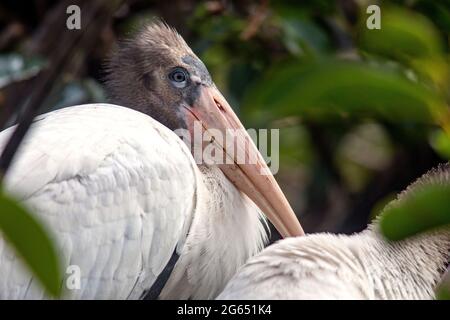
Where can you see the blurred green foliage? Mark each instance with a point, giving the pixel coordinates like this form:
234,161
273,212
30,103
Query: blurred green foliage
313,62
441,143
31,242
422,210
325,89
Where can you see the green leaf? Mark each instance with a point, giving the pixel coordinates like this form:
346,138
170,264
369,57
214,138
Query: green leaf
440,141
410,38
301,34
437,10
329,88
403,35
421,210
31,242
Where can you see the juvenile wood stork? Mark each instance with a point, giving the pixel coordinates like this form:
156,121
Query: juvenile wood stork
360,266
120,192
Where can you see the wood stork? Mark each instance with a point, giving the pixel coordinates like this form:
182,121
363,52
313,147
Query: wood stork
360,266
120,192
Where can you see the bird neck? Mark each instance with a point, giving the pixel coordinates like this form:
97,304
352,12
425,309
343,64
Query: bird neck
417,262
226,230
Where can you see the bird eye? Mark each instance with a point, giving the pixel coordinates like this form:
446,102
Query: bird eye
178,77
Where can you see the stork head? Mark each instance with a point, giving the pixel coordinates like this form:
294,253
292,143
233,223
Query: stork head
158,74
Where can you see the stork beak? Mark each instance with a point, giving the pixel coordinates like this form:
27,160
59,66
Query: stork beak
253,178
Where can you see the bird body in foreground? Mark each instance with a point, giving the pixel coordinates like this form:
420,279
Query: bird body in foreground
120,192
93,181
360,266
109,199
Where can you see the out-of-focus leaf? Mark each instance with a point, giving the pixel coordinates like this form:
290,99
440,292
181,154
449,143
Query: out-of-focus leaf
408,37
441,143
300,33
14,67
403,35
31,242
437,70
326,89
437,11
421,210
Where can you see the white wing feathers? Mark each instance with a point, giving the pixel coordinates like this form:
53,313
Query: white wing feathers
115,188
360,266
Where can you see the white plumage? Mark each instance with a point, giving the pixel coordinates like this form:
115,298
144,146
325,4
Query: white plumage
360,266
326,266
119,191
227,229
98,176
102,179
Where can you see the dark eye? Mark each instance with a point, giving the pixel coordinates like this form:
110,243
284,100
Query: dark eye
178,77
